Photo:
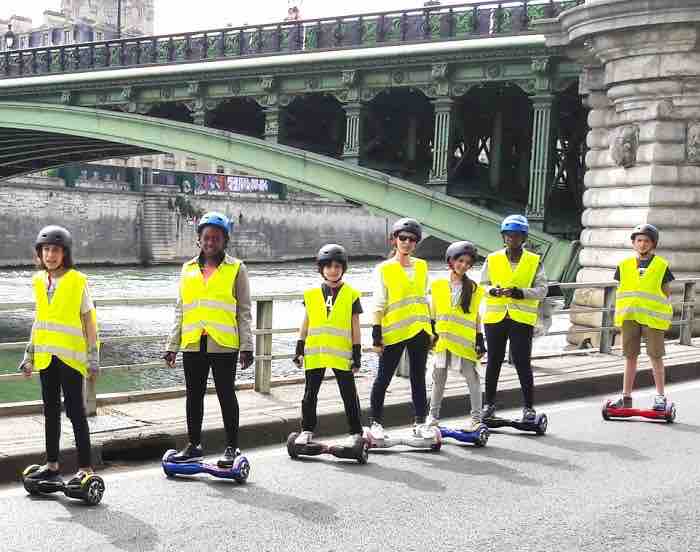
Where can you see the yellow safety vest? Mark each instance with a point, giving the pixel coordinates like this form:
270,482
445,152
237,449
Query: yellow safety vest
641,298
329,341
209,306
58,328
501,274
456,329
407,312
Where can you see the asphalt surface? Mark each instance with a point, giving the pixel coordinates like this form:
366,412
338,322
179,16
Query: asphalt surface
588,485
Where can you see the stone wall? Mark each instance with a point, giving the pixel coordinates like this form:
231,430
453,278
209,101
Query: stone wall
273,230
105,225
112,227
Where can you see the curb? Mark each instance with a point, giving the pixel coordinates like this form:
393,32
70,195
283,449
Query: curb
267,429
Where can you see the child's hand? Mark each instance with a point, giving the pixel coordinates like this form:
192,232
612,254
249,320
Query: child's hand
26,368
169,358
247,359
299,353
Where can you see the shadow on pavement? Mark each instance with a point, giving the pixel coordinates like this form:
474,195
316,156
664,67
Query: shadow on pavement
468,465
394,474
120,529
257,496
621,451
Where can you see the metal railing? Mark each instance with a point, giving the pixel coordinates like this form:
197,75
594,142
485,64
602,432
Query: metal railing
428,24
264,330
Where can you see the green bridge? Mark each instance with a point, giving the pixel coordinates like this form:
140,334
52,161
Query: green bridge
463,110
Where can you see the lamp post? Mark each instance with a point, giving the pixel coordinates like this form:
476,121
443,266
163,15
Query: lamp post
119,18
9,38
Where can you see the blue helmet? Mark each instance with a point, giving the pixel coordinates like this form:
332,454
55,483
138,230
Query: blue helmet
215,219
515,223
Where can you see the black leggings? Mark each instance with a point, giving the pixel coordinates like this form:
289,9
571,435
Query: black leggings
520,335
58,375
223,366
348,391
417,358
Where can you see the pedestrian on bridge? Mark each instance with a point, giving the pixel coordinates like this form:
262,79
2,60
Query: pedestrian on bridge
643,307
401,321
459,344
516,283
64,348
330,338
212,328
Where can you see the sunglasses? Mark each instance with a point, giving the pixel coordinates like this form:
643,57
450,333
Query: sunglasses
404,237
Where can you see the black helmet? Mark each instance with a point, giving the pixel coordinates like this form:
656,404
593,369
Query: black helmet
457,249
648,230
332,252
407,225
54,235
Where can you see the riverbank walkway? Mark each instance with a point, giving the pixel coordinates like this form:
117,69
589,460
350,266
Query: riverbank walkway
144,429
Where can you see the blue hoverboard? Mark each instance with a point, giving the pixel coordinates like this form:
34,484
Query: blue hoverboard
239,472
478,437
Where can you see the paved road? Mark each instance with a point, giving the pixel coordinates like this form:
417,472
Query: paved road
587,485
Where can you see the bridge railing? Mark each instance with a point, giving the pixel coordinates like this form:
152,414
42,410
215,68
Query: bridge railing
264,331
428,24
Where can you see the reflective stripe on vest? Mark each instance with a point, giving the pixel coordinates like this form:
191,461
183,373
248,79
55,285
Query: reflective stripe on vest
641,298
58,328
501,274
329,339
407,312
456,329
209,306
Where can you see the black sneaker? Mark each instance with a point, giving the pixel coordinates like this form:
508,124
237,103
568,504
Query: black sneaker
44,474
488,411
189,454
228,457
622,401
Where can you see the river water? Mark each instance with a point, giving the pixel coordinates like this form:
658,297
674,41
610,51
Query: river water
162,281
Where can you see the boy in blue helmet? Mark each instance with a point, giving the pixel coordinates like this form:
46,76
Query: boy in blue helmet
516,283
212,328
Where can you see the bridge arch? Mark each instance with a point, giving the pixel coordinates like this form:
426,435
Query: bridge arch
74,130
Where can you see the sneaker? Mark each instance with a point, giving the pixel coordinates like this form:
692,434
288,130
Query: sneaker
424,431
44,474
228,457
304,438
432,421
529,415
189,454
488,411
659,403
352,440
377,431
474,424
621,402
77,479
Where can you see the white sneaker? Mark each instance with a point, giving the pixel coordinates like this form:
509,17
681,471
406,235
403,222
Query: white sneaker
432,422
351,440
424,431
377,431
304,438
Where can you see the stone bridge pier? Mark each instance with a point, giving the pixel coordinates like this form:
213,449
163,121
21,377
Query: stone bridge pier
641,80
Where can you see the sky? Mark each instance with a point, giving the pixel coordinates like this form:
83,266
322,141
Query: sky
173,16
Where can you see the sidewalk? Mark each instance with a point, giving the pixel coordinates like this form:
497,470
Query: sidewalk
144,430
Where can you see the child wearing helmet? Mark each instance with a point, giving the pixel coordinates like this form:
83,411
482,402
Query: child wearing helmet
460,341
330,338
212,328
401,321
515,284
643,307
64,347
